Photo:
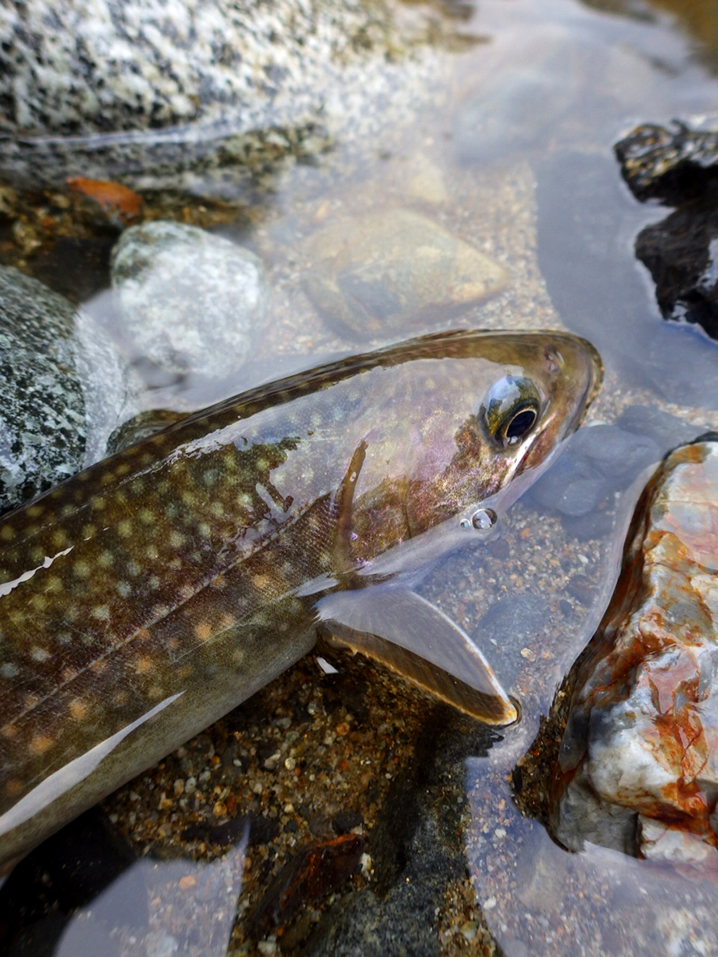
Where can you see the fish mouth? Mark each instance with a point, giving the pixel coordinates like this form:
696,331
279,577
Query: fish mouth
593,387
583,366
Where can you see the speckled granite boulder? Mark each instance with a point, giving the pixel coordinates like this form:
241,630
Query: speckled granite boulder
155,87
64,389
638,764
190,300
390,271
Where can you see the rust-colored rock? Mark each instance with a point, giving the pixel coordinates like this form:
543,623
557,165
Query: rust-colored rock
639,759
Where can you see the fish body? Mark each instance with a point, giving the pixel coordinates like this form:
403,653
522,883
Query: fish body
148,595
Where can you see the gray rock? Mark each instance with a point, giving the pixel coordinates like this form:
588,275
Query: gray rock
65,389
653,423
599,460
521,616
391,270
143,90
191,301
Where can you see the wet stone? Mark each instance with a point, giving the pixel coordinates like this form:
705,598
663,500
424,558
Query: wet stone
598,461
673,164
190,300
653,423
394,270
522,616
637,768
417,849
65,389
120,93
579,196
346,821
678,166
681,254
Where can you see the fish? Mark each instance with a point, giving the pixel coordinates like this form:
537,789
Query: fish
148,595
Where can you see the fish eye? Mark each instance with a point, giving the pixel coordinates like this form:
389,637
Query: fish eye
510,410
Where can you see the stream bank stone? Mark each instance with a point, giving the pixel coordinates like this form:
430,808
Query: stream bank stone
190,300
679,167
65,389
680,252
637,767
672,164
393,270
140,91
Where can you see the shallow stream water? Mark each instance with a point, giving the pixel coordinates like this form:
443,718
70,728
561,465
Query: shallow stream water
509,147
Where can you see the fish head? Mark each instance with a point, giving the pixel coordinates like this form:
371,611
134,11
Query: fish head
481,416
516,398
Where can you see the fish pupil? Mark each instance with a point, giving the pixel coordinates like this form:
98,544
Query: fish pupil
510,410
520,425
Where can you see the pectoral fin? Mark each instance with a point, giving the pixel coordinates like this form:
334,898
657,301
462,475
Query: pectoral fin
413,638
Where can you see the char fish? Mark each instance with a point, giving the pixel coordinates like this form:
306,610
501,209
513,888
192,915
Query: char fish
148,595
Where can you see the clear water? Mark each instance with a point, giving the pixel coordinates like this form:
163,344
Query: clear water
530,179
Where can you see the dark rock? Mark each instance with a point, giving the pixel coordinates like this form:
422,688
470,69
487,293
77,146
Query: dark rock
312,874
417,848
578,496
613,452
76,267
593,525
319,826
346,821
586,227
582,589
653,423
680,167
680,253
499,548
671,164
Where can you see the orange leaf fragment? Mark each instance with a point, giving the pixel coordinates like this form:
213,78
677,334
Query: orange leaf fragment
113,197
